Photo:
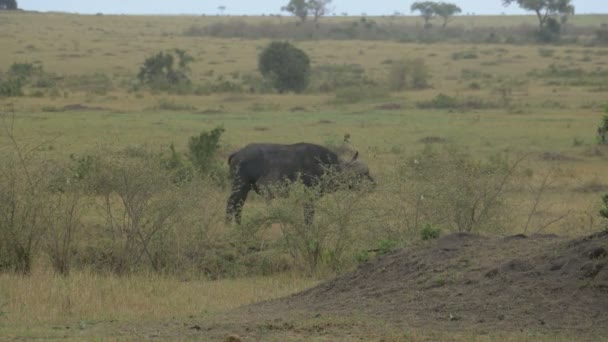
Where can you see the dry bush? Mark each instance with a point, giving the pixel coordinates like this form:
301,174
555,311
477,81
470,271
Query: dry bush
139,203
36,207
447,188
330,242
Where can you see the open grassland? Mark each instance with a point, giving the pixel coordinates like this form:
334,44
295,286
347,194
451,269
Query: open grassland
515,99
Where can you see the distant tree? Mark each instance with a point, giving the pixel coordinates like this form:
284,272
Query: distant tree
427,11
221,9
546,10
319,8
299,8
286,66
446,10
8,4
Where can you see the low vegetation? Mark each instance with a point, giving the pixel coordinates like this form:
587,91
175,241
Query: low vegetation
114,155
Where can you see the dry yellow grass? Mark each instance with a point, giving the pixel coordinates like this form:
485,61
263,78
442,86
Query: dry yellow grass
44,299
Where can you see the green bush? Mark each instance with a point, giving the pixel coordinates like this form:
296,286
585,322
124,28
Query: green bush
429,232
24,71
203,154
441,101
287,67
11,87
161,72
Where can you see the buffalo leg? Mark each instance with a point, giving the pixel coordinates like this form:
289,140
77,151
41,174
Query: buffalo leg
236,201
309,213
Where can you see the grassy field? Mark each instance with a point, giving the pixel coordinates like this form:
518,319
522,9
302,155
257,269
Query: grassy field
528,109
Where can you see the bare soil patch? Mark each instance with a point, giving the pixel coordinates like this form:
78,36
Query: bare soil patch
464,282
461,287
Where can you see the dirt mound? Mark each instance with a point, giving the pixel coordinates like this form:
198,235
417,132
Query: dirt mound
464,281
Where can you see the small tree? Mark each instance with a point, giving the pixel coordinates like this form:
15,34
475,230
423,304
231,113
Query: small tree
319,8
547,11
287,67
8,4
445,11
299,8
427,11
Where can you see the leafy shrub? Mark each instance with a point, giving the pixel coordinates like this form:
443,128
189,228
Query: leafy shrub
441,101
203,154
287,67
24,71
11,87
412,73
180,167
160,71
429,232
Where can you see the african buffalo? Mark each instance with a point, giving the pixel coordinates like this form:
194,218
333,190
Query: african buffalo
260,166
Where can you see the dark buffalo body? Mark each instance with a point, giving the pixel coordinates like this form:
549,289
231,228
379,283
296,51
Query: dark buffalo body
257,166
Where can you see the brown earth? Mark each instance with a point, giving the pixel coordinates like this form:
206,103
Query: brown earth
461,282
461,287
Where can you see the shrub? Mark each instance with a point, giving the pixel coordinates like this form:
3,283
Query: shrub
203,153
97,83
11,87
441,101
408,74
164,104
429,232
159,71
24,71
360,93
445,187
287,67
140,205
604,209
180,167
33,202
331,77
601,35
329,243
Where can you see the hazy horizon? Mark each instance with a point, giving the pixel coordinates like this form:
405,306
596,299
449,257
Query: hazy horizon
245,7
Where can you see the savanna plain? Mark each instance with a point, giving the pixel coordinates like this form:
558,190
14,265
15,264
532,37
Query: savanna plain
484,147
